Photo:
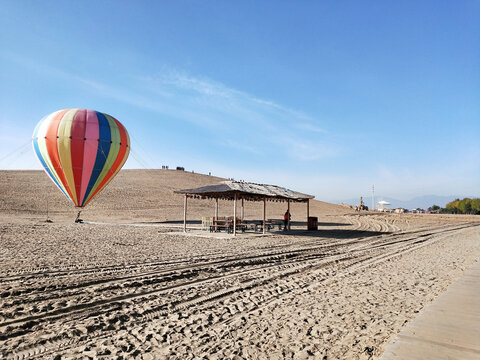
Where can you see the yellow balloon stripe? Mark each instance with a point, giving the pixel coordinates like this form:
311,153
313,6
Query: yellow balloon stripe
64,150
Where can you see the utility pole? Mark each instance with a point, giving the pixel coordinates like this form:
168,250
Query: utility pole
373,197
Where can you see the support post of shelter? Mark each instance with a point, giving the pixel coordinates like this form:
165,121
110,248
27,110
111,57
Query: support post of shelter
243,211
235,215
185,214
216,214
308,211
288,218
264,214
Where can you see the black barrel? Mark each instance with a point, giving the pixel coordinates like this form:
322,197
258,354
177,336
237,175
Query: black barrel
312,223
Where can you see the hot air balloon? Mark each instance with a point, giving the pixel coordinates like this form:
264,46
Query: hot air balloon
81,151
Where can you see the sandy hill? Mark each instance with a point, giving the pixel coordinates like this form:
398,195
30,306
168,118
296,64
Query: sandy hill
134,195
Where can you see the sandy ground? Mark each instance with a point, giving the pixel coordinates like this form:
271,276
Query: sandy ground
109,291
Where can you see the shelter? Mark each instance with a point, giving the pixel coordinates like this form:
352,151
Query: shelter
239,190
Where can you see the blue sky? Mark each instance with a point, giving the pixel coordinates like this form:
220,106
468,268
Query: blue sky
325,97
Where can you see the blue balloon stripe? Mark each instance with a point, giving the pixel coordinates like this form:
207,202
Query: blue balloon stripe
103,150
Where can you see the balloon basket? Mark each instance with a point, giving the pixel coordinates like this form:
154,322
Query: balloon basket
78,220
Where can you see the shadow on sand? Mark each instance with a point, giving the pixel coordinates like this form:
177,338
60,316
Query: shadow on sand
174,222
320,233
199,222
333,233
320,224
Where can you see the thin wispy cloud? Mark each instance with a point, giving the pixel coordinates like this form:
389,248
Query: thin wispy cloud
260,123
216,99
211,87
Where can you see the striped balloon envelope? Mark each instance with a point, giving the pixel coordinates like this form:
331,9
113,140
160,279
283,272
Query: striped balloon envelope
81,151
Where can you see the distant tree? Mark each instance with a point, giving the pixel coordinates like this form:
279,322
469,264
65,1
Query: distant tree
465,206
475,203
434,208
452,207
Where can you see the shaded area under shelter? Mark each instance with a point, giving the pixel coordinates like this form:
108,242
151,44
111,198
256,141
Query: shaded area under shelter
243,191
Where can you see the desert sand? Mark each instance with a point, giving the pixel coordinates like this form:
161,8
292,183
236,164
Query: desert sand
113,291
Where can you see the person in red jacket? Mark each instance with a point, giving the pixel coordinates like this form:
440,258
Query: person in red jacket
286,220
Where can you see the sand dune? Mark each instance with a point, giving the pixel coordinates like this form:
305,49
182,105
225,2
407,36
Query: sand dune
143,195
107,291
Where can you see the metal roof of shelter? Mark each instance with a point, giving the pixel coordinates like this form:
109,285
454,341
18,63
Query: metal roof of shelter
249,191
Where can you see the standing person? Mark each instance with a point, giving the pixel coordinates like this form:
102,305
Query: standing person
286,219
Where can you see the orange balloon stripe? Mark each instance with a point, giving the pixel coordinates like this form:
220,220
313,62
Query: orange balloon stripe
51,144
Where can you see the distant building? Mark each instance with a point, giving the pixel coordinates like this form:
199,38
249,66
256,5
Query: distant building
418,211
382,206
400,210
